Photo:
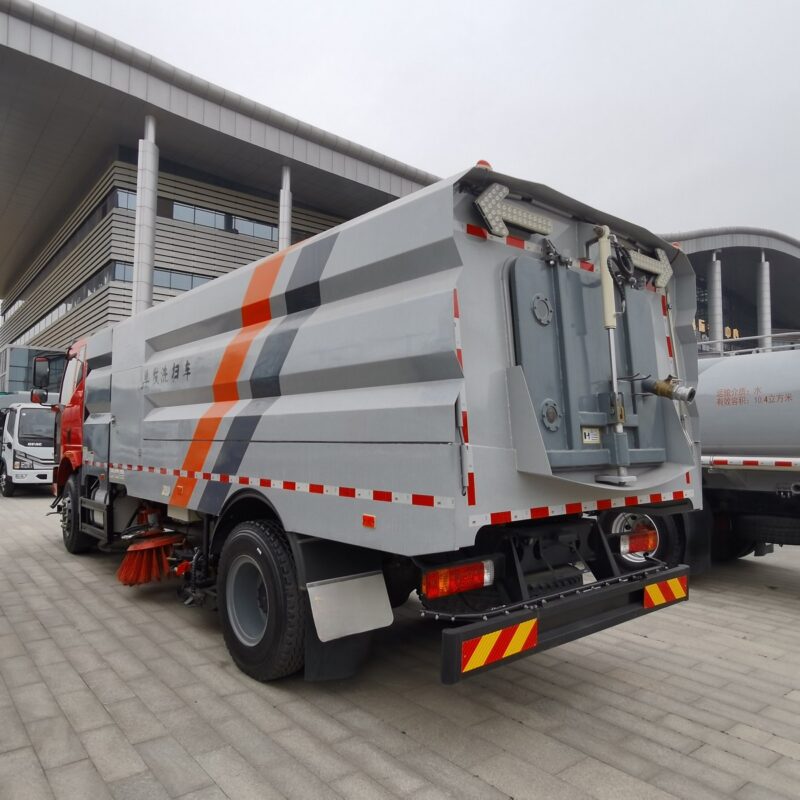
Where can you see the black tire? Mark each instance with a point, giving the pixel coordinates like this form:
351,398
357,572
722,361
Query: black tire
265,639
728,544
671,546
7,487
75,541
771,530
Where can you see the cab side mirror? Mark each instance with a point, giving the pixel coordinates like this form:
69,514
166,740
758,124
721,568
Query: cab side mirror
41,375
39,396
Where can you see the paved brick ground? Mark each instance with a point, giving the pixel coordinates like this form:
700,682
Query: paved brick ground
112,692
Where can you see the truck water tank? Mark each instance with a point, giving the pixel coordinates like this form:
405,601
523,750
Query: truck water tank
750,404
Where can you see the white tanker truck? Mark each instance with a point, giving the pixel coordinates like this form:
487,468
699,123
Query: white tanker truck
749,408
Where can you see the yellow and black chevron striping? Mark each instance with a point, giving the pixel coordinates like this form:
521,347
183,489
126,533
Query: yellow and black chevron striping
484,650
663,592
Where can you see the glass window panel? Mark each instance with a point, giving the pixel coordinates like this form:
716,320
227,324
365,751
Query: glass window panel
202,216
181,281
199,280
219,221
164,207
242,225
129,273
262,230
183,212
161,278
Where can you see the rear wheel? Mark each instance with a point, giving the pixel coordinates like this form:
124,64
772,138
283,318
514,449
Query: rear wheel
771,530
261,607
668,545
6,484
75,541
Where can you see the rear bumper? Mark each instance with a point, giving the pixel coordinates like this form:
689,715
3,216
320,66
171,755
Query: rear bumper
475,647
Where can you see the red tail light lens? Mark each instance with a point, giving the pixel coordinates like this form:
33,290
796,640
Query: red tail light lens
642,539
461,578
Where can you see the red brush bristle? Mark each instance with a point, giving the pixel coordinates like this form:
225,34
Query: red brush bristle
144,564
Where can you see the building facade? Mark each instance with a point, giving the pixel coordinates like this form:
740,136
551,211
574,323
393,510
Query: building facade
119,171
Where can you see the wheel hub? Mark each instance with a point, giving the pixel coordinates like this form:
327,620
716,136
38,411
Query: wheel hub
247,600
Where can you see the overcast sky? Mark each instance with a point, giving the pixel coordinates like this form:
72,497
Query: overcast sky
676,114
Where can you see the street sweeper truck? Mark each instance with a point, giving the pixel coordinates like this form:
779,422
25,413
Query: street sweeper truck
481,392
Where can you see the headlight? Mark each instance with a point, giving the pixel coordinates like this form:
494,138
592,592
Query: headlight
20,462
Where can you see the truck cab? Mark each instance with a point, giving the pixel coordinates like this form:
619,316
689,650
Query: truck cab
27,447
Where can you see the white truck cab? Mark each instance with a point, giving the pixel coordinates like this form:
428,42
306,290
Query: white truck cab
26,458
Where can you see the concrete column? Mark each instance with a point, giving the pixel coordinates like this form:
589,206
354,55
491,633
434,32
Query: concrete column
144,241
716,329
285,210
764,304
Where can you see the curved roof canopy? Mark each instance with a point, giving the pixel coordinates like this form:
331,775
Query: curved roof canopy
70,96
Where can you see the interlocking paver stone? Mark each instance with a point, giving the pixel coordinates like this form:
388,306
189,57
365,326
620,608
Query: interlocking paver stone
107,691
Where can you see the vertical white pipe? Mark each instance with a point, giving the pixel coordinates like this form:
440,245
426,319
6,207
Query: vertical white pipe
715,326
144,241
764,305
285,209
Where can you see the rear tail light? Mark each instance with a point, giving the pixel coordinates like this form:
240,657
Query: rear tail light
642,539
461,578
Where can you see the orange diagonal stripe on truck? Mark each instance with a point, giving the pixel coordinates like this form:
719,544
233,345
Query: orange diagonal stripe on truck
256,314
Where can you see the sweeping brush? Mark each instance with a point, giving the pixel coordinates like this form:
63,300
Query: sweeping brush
146,560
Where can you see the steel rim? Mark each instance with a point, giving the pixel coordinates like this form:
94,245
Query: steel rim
246,596
625,523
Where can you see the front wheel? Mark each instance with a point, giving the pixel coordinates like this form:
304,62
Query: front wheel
75,541
260,603
6,484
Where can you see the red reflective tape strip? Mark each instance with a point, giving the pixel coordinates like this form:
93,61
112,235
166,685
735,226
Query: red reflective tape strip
669,347
467,649
684,582
422,500
471,488
587,266
381,496
289,485
533,637
515,242
347,491
603,505
224,478
456,308
655,498
648,598
750,462
503,641
316,488
244,481
574,508
500,517
474,230
688,477
664,304
782,464
540,513
631,501
679,495
465,427
460,357
666,590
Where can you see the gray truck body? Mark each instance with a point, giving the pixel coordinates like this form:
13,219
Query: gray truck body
386,383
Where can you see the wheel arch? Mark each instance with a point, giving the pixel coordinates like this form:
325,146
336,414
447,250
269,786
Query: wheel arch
242,506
